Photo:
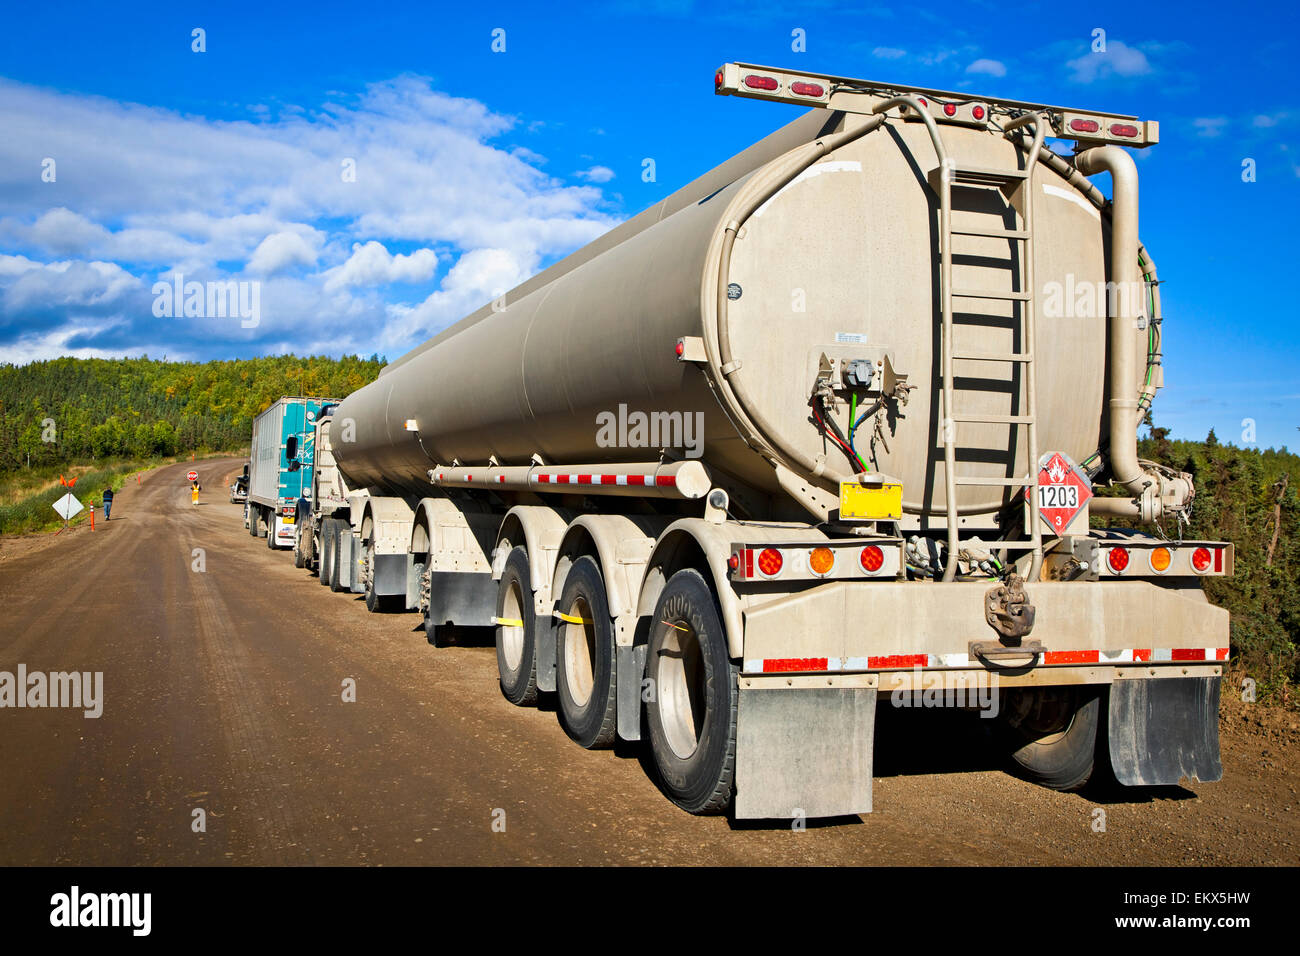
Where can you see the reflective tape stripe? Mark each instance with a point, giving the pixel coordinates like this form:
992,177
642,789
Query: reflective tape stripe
508,621
570,618
770,665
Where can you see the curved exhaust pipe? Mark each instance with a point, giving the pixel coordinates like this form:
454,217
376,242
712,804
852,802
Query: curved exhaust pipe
1154,492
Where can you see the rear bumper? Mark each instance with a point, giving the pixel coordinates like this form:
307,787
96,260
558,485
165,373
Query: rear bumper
1092,627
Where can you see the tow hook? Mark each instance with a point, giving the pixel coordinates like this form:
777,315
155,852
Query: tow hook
1008,611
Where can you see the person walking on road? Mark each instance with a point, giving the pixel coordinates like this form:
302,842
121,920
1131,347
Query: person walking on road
108,502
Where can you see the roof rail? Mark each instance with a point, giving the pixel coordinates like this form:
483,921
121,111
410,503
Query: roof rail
852,95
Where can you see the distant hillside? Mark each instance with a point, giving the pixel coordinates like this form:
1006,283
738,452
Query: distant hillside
104,408
1250,497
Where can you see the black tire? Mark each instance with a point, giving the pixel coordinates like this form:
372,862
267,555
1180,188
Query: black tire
378,603
299,558
516,645
270,531
1052,733
262,530
327,545
584,659
691,714
336,576
250,521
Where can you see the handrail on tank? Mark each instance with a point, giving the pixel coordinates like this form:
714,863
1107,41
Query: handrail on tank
1041,123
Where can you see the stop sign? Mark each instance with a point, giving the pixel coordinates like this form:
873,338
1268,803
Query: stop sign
192,475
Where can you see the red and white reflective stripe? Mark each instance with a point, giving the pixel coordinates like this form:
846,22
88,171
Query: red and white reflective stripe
639,481
778,665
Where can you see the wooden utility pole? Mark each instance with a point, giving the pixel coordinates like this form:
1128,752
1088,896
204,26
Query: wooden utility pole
1280,486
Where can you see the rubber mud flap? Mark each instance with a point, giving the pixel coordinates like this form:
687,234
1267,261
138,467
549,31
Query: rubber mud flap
1160,731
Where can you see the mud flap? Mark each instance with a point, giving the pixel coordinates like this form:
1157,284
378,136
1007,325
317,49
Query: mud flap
1160,731
389,574
544,635
630,668
345,543
803,751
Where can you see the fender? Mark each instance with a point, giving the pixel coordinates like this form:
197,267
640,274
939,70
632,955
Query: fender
623,545
391,518
714,541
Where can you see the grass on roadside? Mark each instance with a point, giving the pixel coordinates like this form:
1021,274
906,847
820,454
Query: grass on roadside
27,498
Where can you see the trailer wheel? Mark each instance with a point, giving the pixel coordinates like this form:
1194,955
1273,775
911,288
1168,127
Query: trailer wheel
584,652
270,531
516,645
691,710
1052,732
327,546
375,602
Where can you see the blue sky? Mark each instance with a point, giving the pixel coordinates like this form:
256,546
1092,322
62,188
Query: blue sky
474,169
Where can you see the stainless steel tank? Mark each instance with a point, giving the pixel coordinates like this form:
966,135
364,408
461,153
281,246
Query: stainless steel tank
843,258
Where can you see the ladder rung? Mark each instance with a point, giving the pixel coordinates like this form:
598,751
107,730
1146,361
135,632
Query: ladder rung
989,294
996,482
992,233
982,174
995,419
1025,357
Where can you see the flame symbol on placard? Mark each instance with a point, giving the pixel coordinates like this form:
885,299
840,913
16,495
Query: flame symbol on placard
1056,472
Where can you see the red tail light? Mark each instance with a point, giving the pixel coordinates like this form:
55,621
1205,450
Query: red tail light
1123,129
807,89
1201,560
717,80
756,82
872,558
733,562
949,109
977,112
680,349
770,561
1084,125
1117,558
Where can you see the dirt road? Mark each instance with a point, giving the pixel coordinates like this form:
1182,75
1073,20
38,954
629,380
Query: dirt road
224,670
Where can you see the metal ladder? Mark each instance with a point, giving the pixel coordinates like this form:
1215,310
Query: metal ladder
1022,179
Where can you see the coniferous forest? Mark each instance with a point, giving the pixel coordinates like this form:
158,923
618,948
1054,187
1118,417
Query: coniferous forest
68,410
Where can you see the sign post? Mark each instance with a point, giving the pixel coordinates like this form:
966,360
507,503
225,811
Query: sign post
67,507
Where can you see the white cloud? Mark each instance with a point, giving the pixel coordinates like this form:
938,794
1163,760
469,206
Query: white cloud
218,199
1210,127
476,279
1119,59
988,67
888,53
371,264
596,174
281,250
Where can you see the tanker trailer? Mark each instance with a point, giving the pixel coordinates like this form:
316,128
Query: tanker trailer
819,431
